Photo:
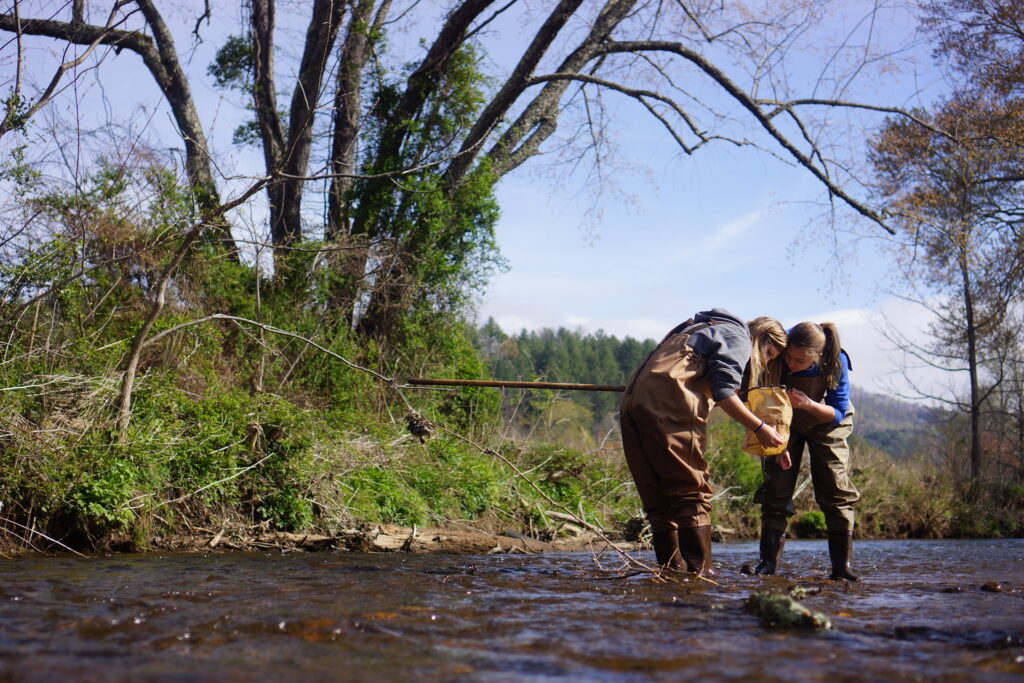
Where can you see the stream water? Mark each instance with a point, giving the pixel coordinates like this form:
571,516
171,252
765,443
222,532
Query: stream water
923,611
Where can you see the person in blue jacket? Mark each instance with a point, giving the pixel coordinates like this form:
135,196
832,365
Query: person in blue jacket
817,377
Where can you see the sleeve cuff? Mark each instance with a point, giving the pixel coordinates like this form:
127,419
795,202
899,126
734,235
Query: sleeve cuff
839,416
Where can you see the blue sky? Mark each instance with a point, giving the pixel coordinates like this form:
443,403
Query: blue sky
727,227
735,239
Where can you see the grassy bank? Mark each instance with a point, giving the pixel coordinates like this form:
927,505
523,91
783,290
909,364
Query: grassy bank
198,459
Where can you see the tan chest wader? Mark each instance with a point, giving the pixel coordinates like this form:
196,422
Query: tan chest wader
663,418
830,476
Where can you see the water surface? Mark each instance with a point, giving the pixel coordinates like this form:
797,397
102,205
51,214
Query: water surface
924,610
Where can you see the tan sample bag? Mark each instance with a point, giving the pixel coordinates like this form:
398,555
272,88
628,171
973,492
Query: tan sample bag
772,405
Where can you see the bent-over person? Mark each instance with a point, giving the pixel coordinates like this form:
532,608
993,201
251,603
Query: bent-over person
664,415
818,377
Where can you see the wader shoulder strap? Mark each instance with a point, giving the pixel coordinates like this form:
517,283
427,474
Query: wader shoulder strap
745,382
688,327
688,324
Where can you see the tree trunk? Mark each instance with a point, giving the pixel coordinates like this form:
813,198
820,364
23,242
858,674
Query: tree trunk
287,159
355,52
421,84
320,35
972,366
385,296
261,16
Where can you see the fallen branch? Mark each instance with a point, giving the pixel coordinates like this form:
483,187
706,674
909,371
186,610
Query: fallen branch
422,381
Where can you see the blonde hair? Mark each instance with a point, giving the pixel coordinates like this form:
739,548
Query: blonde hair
765,331
822,340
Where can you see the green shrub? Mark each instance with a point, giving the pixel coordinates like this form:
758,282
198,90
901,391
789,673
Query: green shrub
382,495
810,524
731,468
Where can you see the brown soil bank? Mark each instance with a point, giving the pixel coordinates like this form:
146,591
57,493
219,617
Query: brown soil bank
387,538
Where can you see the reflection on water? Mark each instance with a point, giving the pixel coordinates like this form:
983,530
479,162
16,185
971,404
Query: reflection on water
924,610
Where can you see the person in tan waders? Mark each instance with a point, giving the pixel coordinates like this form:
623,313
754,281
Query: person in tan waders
818,380
663,415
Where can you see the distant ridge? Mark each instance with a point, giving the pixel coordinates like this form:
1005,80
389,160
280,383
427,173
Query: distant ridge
892,425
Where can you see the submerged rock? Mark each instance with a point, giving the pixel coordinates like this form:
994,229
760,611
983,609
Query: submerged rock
783,611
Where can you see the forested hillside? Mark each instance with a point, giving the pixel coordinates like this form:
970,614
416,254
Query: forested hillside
894,426
564,356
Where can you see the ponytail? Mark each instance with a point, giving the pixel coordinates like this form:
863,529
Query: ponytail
831,364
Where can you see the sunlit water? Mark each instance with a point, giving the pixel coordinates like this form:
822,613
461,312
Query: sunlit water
924,611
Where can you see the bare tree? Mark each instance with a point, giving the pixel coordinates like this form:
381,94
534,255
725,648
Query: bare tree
707,73
160,56
957,249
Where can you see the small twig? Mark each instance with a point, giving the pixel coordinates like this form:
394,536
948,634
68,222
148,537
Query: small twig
219,481
39,533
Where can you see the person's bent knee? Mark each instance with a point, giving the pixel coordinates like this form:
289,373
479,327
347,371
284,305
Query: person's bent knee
838,520
775,523
690,522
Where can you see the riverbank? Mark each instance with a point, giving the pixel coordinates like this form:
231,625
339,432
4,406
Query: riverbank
461,539
387,538
244,472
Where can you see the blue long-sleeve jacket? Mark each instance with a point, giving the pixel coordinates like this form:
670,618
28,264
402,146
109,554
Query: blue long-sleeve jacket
839,398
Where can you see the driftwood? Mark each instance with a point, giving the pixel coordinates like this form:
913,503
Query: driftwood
392,538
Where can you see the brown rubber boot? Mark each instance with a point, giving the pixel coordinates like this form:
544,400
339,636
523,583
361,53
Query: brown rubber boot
772,542
695,547
666,549
840,551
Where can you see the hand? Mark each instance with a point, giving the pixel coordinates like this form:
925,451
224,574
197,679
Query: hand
768,437
799,399
783,461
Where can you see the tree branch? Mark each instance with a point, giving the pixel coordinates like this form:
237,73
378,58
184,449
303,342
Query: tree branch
513,86
161,59
139,341
788,105
537,122
751,106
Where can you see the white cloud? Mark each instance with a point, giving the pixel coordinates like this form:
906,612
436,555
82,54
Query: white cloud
731,231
